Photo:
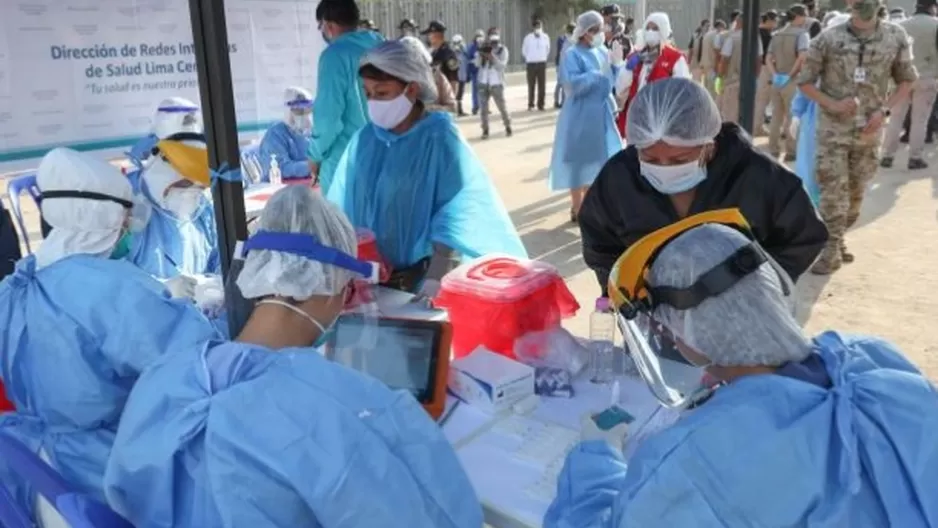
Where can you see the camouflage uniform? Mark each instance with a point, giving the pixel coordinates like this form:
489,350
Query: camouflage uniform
846,159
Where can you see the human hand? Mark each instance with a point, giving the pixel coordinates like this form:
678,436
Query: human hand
633,61
843,106
874,123
615,437
181,286
615,54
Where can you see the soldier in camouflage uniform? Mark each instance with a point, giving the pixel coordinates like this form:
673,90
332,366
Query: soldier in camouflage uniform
847,72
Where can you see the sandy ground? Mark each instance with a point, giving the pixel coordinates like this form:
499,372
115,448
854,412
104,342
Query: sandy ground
888,291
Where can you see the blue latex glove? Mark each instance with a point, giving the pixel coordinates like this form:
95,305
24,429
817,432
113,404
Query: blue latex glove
779,80
632,62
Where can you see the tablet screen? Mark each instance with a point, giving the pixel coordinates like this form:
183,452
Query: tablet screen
400,354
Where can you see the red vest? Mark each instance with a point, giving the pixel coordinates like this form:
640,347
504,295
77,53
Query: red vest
661,69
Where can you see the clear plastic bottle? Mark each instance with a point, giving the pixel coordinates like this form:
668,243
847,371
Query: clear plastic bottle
274,174
602,343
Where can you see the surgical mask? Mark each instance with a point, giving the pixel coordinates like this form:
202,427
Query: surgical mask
389,114
598,40
122,248
538,31
183,203
652,37
321,340
674,179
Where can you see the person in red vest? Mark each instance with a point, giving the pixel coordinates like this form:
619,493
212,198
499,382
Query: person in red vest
657,59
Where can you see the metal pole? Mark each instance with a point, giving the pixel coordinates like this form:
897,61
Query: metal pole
210,36
749,72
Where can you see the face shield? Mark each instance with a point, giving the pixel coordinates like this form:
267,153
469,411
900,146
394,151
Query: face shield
674,372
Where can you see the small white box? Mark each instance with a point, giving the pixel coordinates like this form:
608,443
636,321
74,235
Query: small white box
490,381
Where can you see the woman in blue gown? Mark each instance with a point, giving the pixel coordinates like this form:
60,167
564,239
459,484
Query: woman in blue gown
805,111
264,431
586,134
411,178
78,324
834,431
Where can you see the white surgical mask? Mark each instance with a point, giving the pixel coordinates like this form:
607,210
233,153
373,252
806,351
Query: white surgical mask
302,124
184,202
389,114
673,179
538,31
598,40
652,37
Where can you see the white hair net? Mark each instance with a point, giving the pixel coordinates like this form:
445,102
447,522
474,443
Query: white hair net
663,22
586,22
298,209
175,115
80,225
676,111
297,97
750,324
407,59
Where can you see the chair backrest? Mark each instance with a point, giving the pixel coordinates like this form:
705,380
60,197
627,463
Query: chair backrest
250,163
78,510
17,186
11,514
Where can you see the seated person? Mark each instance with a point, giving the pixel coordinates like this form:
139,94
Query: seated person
834,431
174,220
264,431
682,160
445,99
173,116
288,141
78,324
411,178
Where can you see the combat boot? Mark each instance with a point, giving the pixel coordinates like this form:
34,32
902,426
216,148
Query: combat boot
830,260
886,163
845,255
915,164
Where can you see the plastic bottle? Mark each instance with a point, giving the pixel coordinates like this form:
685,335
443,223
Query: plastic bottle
602,343
274,174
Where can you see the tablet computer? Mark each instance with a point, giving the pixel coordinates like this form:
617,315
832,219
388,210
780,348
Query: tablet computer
406,354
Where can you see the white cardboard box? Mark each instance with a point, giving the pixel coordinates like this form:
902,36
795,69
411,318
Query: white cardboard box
490,381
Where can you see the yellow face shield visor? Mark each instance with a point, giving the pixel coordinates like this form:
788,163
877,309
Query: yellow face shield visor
628,288
190,161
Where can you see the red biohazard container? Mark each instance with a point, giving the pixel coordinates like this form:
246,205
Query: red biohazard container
368,250
494,300
5,404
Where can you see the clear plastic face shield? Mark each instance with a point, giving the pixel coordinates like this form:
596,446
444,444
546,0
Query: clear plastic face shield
675,373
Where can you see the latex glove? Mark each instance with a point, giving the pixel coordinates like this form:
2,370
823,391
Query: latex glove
633,61
793,128
615,437
181,286
615,54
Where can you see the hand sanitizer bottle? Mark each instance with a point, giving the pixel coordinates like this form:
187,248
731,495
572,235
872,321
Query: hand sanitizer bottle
274,174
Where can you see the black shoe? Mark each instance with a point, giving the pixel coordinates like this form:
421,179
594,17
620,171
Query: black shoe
886,163
904,139
475,111
915,164
929,140
558,106
507,131
540,108
461,114
530,109
485,134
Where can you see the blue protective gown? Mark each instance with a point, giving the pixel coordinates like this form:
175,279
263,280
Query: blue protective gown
167,246
238,435
806,110
586,134
74,336
425,185
291,150
340,109
773,450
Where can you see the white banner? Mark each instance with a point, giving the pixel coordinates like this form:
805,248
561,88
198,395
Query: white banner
89,74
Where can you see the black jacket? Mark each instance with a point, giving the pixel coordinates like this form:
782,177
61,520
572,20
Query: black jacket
621,207
9,244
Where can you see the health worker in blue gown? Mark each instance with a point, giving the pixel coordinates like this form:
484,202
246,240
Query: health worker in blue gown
411,178
586,134
339,111
173,221
264,431
173,116
78,324
287,142
833,431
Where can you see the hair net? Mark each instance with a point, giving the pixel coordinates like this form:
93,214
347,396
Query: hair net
175,115
585,22
750,324
407,59
676,111
297,95
80,225
662,21
457,38
298,209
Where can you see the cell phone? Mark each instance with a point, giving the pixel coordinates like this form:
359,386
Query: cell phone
612,417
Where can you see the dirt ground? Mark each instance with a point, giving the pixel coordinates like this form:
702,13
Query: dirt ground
890,290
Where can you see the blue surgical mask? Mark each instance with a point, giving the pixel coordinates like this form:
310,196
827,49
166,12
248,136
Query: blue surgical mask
674,179
122,248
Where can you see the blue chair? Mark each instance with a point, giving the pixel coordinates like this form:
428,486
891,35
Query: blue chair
251,164
78,510
16,187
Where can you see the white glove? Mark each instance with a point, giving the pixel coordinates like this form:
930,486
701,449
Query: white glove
793,128
615,54
429,288
615,437
181,286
